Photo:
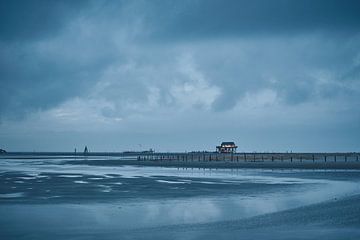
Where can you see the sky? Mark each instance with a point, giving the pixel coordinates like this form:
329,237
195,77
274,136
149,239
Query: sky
171,75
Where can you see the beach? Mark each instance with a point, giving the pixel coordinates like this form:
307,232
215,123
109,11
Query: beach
108,198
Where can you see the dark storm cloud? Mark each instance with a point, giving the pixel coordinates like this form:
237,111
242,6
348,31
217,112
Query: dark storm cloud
33,82
214,18
27,20
31,20
33,76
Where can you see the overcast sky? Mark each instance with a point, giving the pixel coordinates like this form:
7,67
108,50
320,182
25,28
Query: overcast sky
277,75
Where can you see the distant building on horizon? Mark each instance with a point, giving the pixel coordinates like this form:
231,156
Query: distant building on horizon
226,147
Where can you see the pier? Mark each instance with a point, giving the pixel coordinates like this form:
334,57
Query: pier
253,160
250,157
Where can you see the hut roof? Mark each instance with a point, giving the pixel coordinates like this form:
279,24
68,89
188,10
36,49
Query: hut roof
227,143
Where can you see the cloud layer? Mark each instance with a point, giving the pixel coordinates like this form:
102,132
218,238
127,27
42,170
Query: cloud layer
277,75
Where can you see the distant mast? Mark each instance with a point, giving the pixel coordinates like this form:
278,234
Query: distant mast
86,151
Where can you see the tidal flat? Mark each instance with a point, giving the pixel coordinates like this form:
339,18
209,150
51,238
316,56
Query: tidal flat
43,198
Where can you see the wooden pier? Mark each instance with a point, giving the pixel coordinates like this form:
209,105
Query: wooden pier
253,160
250,157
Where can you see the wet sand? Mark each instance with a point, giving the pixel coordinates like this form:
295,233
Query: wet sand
120,199
333,219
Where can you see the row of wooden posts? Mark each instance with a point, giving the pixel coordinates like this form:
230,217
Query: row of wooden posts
248,157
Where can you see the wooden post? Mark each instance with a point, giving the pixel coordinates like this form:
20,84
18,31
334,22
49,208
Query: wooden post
313,158
291,159
325,158
345,158
335,158
254,157
245,157
300,158
272,158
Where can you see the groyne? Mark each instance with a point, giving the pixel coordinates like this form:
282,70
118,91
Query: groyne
337,160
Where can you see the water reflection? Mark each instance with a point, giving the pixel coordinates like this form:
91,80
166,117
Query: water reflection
140,213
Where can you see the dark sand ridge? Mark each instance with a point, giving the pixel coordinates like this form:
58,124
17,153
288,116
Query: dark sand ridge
278,164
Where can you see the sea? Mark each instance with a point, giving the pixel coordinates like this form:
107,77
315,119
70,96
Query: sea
52,196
